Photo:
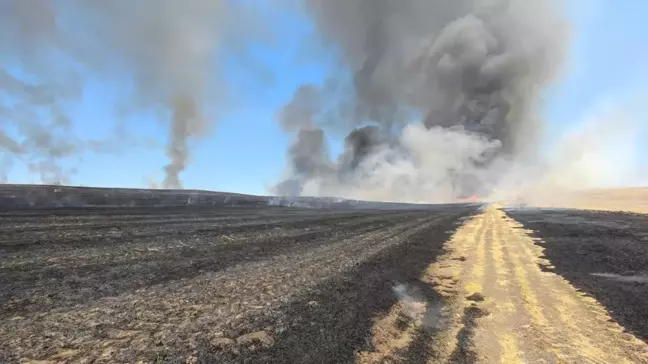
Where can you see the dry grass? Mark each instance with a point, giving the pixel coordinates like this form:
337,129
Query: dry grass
617,199
633,199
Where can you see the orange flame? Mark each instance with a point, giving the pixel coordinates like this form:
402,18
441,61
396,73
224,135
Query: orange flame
469,199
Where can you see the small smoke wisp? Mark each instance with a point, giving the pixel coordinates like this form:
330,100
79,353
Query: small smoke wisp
416,308
621,278
412,308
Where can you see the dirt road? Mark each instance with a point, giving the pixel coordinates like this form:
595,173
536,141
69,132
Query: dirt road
507,309
276,285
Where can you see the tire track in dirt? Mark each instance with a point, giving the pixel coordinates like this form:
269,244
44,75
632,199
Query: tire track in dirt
580,328
531,315
500,306
582,244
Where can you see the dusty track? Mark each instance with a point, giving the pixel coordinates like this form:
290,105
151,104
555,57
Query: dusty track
243,285
512,311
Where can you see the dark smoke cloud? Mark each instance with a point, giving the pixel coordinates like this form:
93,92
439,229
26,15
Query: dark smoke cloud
164,53
467,69
360,144
310,160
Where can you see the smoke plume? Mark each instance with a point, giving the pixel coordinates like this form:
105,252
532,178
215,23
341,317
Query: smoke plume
440,97
165,55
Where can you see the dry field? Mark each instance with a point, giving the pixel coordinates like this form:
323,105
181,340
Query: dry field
617,199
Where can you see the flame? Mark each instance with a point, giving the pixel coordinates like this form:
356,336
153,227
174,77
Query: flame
473,198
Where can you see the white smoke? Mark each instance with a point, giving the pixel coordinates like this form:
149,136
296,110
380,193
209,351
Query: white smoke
421,169
601,151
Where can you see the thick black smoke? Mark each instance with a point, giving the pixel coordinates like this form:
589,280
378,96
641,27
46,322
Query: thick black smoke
360,144
465,69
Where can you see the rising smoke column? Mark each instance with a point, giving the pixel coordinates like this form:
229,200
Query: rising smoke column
165,55
309,155
469,71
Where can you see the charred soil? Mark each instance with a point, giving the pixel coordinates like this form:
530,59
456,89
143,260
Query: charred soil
197,284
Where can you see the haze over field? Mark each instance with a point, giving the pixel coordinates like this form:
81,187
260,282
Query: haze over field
408,101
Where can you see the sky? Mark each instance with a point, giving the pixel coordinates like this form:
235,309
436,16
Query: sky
245,150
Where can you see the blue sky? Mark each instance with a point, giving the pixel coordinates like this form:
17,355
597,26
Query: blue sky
607,58
245,151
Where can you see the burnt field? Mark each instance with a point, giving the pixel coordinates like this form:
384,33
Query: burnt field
128,276
602,254
206,284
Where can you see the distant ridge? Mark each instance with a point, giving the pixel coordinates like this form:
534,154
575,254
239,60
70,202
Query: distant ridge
55,196
48,196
